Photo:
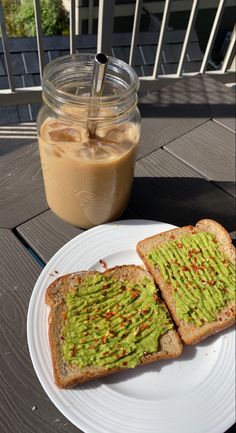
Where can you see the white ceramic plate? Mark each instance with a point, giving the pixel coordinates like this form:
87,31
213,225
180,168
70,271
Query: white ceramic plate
192,394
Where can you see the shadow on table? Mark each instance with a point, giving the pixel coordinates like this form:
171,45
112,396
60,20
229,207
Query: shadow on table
181,201
190,97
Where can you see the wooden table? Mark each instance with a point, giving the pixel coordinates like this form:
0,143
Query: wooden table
185,171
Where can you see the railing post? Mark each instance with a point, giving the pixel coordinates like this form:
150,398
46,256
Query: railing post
72,27
105,26
230,52
6,49
164,23
212,36
190,26
136,25
39,34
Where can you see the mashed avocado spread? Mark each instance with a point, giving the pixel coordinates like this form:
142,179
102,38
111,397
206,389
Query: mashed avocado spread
201,276
108,322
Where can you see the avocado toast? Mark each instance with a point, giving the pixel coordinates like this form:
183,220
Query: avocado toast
194,267
102,323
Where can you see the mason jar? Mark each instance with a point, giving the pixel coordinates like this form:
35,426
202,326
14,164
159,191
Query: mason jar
88,145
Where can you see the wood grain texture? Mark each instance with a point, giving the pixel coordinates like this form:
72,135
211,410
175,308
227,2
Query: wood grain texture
168,190
171,112
25,408
46,233
209,149
221,101
21,186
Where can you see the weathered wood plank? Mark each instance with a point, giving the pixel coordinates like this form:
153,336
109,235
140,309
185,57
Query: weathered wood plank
21,186
167,189
25,408
46,233
171,112
210,149
221,101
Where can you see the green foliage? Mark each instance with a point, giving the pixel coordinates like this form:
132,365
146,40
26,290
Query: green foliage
9,9
20,17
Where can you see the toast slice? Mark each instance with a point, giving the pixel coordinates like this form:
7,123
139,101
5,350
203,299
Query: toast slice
125,300
194,268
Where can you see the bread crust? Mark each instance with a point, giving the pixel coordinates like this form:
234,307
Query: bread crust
189,333
67,376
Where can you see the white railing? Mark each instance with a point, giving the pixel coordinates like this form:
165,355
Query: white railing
105,13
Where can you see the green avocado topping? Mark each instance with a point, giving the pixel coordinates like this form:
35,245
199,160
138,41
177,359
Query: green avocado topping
108,322
201,276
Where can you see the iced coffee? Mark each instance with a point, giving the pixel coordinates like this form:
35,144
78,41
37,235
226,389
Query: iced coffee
87,181
88,145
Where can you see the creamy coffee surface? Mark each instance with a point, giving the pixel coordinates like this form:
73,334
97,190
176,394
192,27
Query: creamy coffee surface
87,180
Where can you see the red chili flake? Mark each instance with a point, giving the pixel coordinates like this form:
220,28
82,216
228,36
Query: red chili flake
195,267
185,268
124,363
220,319
73,351
145,311
105,286
193,252
124,352
212,282
175,290
134,294
179,245
103,263
231,309
104,339
117,356
227,313
110,314
172,237
64,315
214,241
143,326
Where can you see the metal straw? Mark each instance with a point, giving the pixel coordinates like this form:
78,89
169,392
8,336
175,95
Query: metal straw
98,78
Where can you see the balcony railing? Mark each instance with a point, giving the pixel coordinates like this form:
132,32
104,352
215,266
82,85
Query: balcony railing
13,95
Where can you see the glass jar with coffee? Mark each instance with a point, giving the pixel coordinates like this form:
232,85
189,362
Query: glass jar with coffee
88,144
